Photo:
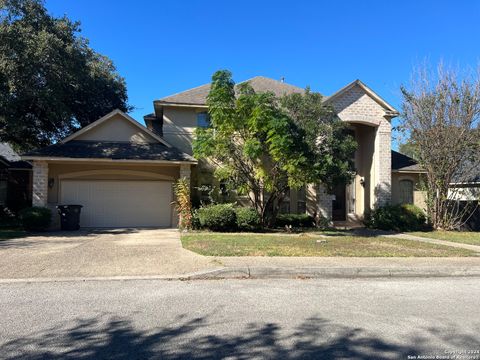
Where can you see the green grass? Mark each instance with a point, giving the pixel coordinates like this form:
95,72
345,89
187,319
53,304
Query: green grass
7,234
241,244
466,237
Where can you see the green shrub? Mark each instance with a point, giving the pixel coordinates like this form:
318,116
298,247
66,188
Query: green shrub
322,222
295,220
405,217
247,219
219,217
8,218
35,218
195,220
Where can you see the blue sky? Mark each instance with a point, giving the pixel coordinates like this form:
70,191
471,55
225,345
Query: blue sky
163,47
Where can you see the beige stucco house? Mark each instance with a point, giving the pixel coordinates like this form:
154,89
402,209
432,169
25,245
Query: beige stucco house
122,172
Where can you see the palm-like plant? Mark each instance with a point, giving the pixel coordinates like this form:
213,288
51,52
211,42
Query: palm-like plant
183,204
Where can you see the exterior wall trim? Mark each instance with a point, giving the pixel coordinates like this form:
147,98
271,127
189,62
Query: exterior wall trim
122,161
363,120
169,104
76,174
409,171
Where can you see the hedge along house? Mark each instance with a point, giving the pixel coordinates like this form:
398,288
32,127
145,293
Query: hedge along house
120,171
379,177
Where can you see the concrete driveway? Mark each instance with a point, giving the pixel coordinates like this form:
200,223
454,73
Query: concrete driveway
99,253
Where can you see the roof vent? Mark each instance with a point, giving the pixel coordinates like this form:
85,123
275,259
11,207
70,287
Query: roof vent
282,79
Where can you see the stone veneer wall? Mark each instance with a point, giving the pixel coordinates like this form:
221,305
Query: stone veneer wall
40,183
356,106
383,165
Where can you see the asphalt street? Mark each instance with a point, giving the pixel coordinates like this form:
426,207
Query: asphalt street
241,319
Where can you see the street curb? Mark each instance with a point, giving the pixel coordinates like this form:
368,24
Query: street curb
333,272
259,272
110,278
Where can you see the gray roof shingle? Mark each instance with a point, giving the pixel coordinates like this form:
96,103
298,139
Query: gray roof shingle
111,150
404,163
12,159
198,95
8,153
470,172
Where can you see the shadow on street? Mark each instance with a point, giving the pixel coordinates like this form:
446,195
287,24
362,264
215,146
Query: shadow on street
116,338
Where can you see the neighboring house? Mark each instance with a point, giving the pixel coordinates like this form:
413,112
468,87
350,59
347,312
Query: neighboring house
467,189
15,179
122,172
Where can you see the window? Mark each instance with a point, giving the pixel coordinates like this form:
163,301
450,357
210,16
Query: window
406,191
203,119
301,200
351,197
3,192
284,207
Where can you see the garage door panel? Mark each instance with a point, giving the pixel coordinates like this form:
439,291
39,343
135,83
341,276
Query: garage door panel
120,203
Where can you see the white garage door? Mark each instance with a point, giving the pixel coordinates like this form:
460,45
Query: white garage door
120,203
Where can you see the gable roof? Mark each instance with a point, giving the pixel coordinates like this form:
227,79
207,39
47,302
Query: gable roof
108,150
404,163
390,109
198,95
109,116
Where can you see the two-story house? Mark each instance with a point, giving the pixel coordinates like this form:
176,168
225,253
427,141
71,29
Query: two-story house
122,172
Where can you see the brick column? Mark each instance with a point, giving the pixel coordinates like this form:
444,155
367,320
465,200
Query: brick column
40,183
382,185
185,171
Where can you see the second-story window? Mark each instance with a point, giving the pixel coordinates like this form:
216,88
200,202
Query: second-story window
203,119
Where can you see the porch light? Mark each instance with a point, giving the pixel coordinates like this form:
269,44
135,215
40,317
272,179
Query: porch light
51,182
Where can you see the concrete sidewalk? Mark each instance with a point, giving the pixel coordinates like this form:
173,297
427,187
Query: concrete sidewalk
126,254
435,241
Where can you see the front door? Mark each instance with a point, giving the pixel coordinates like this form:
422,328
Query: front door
339,204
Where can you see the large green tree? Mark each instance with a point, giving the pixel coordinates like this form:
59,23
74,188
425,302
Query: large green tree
408,148
262,148
328,138
51,81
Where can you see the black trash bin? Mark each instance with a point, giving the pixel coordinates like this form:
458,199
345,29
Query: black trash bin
69,216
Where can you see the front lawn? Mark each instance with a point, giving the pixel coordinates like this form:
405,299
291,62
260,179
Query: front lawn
466,237
242,244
